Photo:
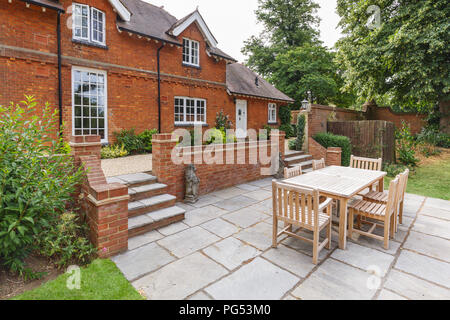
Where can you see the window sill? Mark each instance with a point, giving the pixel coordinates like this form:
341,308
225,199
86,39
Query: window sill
191,66
272,123
90,44
181,125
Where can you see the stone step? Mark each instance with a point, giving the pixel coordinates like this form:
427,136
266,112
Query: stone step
305,165
154,220
290,154
147,191
298,159
145,206
133,180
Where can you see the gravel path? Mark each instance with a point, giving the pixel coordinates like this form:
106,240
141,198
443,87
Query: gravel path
127,165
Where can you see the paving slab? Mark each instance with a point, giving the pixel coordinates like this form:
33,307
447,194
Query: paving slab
262,183
201,215
220,227
428,245
364,258
334,280
181,278
206,200
415,288
438,203
247,187
139,241
258,280
173,228
259,195
185,206
228,193
389,295
436,213
306,247
245,218
186,242
424,267
261,208
259,236
231,253
291,260
235,203
200,296
432,226
133,178
394,246
138,262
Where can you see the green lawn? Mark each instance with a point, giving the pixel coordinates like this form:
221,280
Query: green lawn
431,179
101,280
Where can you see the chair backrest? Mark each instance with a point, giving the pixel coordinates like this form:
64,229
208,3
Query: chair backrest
318,164
295,204
292,172
403,183
391,205
366,163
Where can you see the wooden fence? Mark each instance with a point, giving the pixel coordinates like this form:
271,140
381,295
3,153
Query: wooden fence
372,139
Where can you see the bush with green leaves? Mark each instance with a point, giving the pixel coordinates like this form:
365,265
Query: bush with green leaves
128,138
288,129
406,146
394,169
292,145
432,136
146,138
113,152
301,123
284,113
223,121
36,185
327,140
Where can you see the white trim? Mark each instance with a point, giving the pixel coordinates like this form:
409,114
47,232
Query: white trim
270,108
196,17
241,133
187,123
122,11
88,22
92,26
105,74
190,53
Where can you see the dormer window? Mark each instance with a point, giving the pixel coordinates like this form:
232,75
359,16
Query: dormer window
191,52
88,24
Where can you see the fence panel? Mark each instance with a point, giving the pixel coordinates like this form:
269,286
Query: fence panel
371,139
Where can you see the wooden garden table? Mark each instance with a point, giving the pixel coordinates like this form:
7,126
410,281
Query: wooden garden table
340,183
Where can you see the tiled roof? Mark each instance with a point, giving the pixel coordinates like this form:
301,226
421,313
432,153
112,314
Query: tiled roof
55,5
242,81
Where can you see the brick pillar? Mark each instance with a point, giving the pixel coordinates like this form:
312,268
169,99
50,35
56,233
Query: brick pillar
162,165
333,156
106,205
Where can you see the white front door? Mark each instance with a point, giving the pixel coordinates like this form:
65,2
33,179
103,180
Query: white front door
241,119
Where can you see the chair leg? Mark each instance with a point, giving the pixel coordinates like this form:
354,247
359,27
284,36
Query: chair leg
350,223
393,225
275,232
358,221
329,228
316,247
400,212
387,226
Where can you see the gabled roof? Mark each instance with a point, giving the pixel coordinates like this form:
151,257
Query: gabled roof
242,81
196,17
219,53
50,4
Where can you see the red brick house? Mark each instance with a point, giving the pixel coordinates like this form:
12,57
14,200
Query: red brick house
120,64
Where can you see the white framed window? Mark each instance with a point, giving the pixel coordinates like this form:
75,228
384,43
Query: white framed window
272,113
88,24
190,110
191,52
98,26
89,102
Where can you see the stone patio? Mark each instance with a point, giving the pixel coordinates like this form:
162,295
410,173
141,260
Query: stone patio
222,250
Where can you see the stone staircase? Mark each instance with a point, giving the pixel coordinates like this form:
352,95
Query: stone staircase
298,158
149,207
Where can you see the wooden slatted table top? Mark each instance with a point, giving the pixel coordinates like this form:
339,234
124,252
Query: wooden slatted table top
339,181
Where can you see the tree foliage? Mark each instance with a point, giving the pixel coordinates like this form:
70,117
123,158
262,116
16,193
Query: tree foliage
405,60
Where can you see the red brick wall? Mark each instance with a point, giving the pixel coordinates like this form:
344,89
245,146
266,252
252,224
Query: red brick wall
132,94
319,116
415,121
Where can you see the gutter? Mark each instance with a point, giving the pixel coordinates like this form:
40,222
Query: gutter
158,56
57,8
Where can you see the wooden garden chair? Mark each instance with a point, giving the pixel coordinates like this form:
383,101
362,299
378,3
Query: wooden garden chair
382,197
292,172
300,207
366,163
318,164
378,212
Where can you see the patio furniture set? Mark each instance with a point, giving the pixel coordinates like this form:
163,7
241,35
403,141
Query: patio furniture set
305,201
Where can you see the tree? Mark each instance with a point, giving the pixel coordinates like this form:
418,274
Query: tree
405,59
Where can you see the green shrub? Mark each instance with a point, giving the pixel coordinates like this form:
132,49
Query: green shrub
219,136
288,129
65,240
292,145
113,152
284,113
223,121
146,138
301,123
432,136
132,143
35,185
393,169
331,140
405,146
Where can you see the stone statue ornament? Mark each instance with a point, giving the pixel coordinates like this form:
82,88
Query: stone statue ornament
192,185
281,166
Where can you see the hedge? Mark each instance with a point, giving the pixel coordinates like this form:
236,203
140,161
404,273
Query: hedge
331,140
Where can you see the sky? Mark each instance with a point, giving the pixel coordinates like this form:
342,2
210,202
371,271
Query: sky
234,21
